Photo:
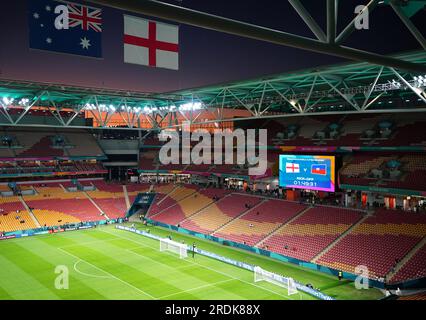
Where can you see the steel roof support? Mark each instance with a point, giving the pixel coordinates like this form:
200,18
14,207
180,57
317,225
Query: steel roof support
344,96
310,93
55,111
368,95
331,21
419,92
413,29
241,102
307,18
29,107
4,111
217,23
351,26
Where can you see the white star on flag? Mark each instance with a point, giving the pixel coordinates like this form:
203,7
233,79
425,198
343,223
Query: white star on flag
48,8
48,40
36,15
85,43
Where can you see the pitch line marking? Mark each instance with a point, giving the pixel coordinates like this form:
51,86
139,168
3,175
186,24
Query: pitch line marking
87,274
86,243
193,262
111,275
196,288
157,262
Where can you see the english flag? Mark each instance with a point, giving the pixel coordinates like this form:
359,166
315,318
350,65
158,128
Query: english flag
151,43
292,167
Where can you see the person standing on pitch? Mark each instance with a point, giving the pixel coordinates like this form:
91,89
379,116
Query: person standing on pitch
193,249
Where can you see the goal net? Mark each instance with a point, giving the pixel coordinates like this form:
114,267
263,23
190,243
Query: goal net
179,248
263,275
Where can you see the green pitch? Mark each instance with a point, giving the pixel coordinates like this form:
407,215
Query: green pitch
106,263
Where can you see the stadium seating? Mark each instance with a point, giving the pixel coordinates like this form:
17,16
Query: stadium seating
134,189
109,197
259,222
217,214
412,177
14,216
188,206
84,144
306,236
49,218
54,199
173,197
414,268
377,242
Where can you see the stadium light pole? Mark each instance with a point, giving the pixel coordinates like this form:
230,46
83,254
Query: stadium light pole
217,23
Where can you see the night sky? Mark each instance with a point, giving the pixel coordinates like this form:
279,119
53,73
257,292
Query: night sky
206,57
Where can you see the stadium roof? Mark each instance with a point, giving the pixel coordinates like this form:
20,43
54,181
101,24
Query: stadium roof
346,88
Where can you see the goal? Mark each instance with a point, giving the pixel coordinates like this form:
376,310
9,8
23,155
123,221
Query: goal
263,275
179,248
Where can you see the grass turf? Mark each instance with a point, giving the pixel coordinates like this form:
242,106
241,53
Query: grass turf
106,263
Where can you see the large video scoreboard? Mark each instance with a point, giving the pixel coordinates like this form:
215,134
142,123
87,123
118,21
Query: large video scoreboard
307,172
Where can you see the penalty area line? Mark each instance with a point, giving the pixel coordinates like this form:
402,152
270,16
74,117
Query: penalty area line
88,274
110,275
214,270
196,288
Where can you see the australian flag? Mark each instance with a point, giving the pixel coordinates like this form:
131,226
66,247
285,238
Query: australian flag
83,36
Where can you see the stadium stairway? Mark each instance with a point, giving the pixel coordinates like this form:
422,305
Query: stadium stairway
344,234
126,197
95,204
152,189
168,195
202,209
30,213
407,258
273,232
199,210
173,205
238,217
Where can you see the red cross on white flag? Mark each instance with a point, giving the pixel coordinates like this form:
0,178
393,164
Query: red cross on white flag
151,43
292,167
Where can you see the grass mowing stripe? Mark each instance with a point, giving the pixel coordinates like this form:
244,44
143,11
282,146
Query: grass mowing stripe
88,274
169,265
43,271
244,291
147,279
164,270
4,295
196,288
109,274
16,282
219,272
301,274
109,289
183,278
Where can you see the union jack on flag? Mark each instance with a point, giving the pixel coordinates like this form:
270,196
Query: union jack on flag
86,17
83,36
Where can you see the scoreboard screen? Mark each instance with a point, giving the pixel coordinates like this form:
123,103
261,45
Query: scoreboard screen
307,172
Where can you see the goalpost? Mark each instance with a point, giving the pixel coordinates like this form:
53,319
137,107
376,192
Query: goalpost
179,248
263,275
